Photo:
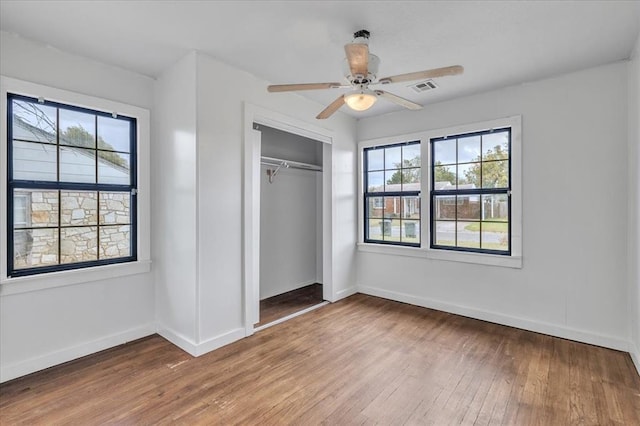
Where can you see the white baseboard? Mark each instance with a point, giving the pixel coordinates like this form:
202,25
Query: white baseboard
197,349
38,363
634,351
220,341
346,293
522,323
178,339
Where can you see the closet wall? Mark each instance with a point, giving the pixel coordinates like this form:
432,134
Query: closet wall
290,215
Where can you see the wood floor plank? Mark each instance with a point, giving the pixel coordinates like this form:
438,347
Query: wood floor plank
363,360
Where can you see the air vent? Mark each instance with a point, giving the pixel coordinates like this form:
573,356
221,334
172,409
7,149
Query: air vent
423,86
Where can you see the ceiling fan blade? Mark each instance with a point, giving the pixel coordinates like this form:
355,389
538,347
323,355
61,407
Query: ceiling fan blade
421,75
333,107
358,58
398,100
304,86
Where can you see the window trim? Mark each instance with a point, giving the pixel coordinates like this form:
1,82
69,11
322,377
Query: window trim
511,261
13,285
61,186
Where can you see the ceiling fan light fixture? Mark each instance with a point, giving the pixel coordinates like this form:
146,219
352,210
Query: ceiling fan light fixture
360,100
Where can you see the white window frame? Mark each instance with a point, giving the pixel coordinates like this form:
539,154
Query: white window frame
512,261
15,285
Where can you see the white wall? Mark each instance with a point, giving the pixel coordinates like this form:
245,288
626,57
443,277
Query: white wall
222,92
42,328
288,231
573,282
289,215
174,236
634,204
34,61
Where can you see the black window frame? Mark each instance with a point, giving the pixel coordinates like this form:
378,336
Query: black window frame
13,184
469,192
367,195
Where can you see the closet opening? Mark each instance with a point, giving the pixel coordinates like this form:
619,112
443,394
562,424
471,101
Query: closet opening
291,225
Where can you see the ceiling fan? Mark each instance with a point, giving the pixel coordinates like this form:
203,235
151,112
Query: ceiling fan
361,69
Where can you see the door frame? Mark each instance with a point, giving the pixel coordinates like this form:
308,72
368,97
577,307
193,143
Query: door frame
251,202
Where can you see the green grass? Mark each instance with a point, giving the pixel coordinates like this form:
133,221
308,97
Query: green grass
488,227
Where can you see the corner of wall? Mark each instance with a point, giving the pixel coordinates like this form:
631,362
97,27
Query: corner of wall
633,209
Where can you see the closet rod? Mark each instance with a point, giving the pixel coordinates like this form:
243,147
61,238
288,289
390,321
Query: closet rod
279,162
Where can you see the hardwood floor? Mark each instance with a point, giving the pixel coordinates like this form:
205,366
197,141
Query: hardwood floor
280,306
363,360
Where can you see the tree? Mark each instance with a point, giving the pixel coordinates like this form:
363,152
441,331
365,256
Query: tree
490,173
407,172
443,174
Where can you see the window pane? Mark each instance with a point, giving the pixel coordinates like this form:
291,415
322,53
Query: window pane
115,241
34,161
411,155
375,182
410,176
35,247
445,207
375,229
444,177
495,207
411,207
35,208
392,157
79,208
114,208
468,234
374,207
468,207
495,146
113,167
445,233
375,159
34,122
393,180
77,165
391,230
78,244
77,128
444,152
495,174
495,235
114,134
392,206
469,149
469,176
411,231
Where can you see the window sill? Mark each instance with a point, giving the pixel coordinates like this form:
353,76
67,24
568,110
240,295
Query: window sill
393,250
446,255
9,286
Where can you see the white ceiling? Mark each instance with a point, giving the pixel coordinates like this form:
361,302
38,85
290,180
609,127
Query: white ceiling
499,43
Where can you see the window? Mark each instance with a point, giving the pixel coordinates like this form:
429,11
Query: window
392,194
71,187
470,192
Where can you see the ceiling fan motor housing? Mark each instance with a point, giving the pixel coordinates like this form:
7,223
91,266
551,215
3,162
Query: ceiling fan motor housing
372,71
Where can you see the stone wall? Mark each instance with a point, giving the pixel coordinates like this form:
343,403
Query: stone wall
91,227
